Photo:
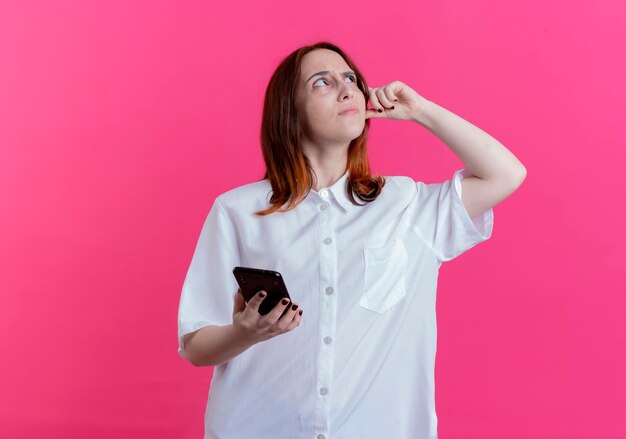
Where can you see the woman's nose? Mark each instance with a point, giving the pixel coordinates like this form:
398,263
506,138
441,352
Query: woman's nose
347,91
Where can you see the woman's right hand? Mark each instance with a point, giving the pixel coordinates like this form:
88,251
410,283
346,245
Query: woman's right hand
258,328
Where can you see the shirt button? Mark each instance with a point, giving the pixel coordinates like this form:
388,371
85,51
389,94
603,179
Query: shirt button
323,206
328,340
323,391
328,241
324,193
329,290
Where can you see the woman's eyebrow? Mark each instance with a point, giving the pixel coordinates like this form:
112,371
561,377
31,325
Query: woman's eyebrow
326,72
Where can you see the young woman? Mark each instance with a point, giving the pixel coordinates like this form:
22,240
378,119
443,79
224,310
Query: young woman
354,355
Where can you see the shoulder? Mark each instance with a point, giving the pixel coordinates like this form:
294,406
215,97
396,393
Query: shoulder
253,196
406,190
410,187
401,186
400,182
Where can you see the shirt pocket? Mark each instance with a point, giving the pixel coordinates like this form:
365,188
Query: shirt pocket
385,274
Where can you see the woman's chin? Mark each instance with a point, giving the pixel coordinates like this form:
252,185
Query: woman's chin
354,125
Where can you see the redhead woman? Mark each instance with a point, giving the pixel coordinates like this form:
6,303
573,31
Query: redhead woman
352,355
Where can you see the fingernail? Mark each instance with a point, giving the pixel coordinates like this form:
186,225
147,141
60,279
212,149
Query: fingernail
300,312
262,294
293,307
392,107
285,301
380,111
395,100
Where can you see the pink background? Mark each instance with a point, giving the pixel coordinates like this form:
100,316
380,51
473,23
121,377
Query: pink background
121,121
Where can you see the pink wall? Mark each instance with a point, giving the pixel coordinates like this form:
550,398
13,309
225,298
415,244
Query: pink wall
121,121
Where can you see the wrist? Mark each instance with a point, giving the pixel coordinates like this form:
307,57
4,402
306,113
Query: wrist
242,337
421,115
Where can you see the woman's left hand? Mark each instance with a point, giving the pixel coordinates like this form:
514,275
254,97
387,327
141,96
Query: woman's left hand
397,101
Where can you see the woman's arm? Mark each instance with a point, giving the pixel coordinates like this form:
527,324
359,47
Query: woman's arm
497,172
214,345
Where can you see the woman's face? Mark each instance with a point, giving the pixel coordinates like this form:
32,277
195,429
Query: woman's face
322,97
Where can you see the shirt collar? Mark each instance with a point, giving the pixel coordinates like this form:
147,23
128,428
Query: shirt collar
339,191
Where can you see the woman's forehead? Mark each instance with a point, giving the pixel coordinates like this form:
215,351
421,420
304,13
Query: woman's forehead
323,59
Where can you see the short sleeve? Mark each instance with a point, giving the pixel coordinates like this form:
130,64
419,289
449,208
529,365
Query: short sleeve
209,287
438,216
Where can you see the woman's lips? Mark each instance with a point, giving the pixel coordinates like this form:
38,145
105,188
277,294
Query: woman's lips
352,111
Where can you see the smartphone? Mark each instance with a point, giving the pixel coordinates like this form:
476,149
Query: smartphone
252,280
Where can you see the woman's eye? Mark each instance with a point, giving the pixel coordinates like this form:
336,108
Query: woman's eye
323,79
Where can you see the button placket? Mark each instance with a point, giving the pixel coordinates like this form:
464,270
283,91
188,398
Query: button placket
328,270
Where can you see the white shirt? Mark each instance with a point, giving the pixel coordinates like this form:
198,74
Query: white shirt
361,363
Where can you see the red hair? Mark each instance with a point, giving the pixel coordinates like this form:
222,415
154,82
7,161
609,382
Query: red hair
287,168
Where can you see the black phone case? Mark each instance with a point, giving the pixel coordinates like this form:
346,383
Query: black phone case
252,280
